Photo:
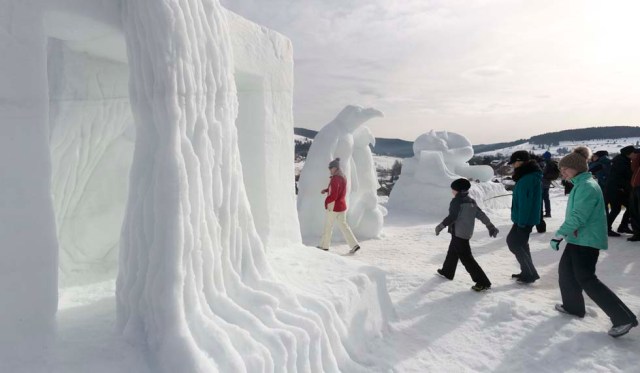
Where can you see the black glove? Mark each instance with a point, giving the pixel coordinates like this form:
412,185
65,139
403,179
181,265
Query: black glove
493,231
439,228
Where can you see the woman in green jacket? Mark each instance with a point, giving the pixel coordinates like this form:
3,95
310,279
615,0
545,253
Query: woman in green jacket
525,213
585,231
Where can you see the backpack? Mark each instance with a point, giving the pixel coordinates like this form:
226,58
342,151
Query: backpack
552,171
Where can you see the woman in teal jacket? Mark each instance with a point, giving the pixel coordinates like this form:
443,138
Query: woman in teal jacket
525,213
585,231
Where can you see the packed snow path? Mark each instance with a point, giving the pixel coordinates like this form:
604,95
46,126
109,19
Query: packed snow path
444,326
441,325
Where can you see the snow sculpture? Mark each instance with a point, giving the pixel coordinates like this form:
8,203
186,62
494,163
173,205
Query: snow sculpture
193,287
92,133
193,280
342,138
439,158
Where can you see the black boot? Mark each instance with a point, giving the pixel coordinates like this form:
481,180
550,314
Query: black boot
613,234
624,229
634,238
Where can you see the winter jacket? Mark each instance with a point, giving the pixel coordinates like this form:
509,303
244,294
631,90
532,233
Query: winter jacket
337,193
463,212
550,173
619,176
585,222
600,169
527,195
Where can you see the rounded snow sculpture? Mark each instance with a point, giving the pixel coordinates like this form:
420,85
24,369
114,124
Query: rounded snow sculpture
342,138
439,158
193,282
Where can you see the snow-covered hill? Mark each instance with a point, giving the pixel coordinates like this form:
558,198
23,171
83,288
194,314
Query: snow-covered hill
610,145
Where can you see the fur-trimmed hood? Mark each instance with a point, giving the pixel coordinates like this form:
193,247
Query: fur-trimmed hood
528,167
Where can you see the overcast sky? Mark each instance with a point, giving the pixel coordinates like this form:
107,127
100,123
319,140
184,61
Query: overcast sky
492,70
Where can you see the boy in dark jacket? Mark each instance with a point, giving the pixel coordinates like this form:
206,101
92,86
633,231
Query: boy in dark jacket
463,211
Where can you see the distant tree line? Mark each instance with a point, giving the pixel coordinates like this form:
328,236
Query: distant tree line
501,145
581,134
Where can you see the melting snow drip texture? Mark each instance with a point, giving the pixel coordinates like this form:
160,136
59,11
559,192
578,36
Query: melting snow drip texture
193,280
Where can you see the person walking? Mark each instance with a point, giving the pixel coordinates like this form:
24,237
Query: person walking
600,167
525,213
336,207
618,190
463,212
550,174
634,202
585,232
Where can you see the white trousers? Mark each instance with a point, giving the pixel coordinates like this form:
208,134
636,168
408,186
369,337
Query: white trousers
336,217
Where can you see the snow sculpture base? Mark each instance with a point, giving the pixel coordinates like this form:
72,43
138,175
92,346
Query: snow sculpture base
354,292
424,188
432,202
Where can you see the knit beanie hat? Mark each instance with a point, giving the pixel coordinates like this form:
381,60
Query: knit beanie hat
461,185
577,159
546,155
601,153
335,163
627,150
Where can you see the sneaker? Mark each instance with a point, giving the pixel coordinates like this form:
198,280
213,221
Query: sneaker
355,248
633,238
516,275
547,215
479,288
560,308
322,248
441,274
620,330
624,229
525,281
613,234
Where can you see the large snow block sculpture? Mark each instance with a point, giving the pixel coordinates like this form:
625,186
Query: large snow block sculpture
423,188
194,287
342,138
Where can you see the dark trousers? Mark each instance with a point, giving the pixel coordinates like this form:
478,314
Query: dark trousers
577,272
635,211
546,201
615,203
459,248
518,242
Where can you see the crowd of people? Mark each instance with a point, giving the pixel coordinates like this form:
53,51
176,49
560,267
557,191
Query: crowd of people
599,188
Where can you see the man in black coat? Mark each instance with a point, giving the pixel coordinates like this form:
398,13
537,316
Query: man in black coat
618,190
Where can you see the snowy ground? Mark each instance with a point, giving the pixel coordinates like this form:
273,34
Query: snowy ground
441,325
444,326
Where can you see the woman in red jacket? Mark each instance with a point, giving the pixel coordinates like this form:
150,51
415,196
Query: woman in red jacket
336,207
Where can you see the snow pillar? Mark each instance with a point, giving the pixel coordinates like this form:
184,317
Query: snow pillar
28,245
193,282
